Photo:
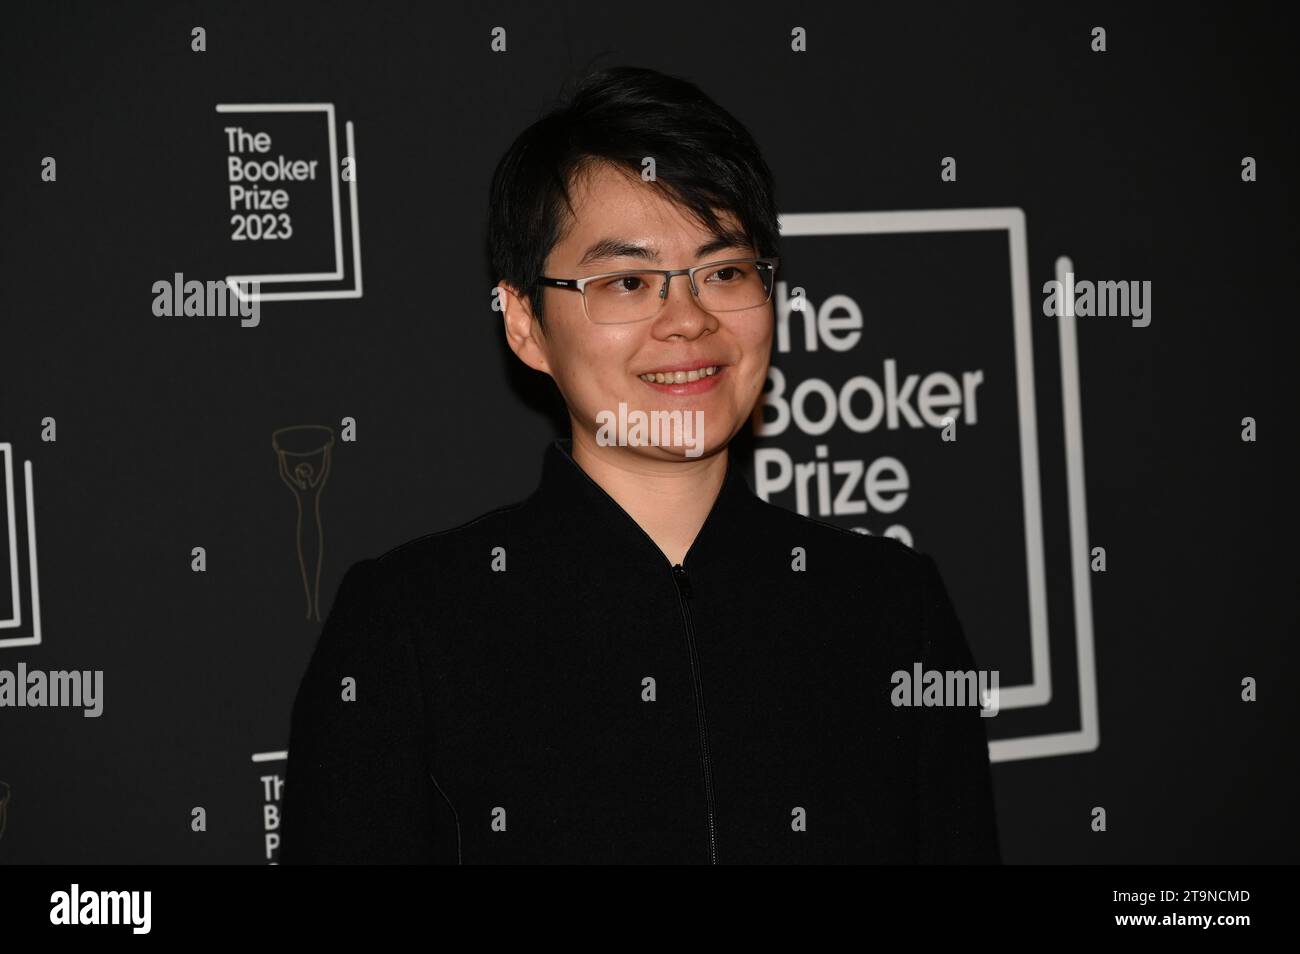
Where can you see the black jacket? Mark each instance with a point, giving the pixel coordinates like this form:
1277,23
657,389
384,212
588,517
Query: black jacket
541,685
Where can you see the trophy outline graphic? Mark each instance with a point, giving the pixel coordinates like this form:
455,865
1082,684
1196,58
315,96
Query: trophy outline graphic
303,479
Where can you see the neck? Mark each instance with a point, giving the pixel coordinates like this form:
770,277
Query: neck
669,499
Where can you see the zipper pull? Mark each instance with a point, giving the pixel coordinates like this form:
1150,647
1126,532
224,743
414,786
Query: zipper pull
683,581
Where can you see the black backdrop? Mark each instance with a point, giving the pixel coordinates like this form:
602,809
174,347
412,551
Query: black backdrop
1127,161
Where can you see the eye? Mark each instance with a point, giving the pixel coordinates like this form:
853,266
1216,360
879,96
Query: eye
729,274
625,284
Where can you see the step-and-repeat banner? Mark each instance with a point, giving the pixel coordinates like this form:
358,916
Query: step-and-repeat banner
247,337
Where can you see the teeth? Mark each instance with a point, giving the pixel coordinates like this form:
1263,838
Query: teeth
679,377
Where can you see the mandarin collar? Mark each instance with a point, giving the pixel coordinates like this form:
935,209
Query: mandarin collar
568,492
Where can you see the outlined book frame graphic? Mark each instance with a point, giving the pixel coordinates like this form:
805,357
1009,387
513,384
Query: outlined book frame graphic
15,620
1038,692
236,281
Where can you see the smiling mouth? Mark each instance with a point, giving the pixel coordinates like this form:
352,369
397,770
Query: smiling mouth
680,377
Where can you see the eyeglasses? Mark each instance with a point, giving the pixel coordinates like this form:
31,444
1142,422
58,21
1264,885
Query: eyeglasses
616,298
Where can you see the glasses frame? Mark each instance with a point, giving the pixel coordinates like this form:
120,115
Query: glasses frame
580,284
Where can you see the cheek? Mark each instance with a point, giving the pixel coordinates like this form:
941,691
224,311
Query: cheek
756,344
756,378
593,367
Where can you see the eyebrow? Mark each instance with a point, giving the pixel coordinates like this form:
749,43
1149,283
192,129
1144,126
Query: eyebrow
609,248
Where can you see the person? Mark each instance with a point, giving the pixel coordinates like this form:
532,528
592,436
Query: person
642,662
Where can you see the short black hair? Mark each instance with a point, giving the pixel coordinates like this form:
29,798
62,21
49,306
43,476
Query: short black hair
705,160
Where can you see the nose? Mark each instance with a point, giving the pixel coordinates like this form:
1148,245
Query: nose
681,313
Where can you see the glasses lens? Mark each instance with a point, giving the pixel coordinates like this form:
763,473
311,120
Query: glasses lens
734,286
628,296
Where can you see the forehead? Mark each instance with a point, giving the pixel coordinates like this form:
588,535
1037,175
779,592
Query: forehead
611,202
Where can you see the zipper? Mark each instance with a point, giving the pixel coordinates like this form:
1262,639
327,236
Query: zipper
684,593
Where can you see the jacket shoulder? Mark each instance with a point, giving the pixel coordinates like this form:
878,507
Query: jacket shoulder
849,547
410,570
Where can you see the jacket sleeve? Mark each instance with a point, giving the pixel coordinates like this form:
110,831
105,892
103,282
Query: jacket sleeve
357,787
958,822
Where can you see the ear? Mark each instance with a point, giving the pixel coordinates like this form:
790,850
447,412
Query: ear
524,332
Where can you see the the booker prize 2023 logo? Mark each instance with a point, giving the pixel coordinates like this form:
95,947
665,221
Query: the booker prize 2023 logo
290,214
901,402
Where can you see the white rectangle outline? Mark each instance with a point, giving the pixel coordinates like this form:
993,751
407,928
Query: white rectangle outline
1039,691
17,619
328,110
233,281
34,576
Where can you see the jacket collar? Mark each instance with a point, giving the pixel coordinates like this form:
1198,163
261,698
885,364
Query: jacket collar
583,507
